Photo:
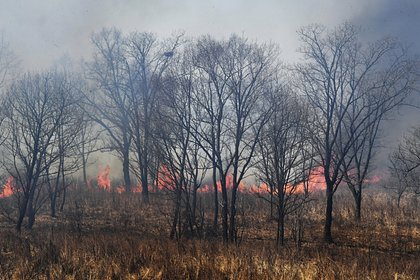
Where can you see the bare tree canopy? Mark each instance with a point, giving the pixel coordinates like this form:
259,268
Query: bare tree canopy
350,86
41,127
405,165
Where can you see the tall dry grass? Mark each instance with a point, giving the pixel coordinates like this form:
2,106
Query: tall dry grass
110,236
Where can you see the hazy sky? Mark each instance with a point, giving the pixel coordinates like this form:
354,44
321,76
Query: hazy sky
42,31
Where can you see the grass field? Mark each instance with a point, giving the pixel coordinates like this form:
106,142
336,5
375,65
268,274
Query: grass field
109,236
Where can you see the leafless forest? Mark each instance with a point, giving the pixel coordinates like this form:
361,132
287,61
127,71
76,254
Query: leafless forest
233,163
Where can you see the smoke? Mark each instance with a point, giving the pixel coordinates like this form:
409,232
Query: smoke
399,19
43,32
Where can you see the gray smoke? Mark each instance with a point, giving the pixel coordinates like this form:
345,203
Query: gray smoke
46,32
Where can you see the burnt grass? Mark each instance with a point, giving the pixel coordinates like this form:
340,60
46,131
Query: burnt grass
110,236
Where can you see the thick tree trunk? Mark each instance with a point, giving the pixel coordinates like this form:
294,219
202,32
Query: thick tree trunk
22,214
232,224
145,189
144,177
358,201
31,214
328,215
53,203
357,195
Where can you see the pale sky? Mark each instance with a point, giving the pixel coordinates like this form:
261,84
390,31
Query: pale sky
41,32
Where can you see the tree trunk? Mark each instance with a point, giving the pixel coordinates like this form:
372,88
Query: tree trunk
63,201
176,215
328,215
22,214
216,200
144,176
225,226
145,189
357,195
53,201
271,202
280,223
126,172
232,225
194,205
31,214
84,167
358,200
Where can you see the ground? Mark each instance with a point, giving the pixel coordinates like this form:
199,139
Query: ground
103,235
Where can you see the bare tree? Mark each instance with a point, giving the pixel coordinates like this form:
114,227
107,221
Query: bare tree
338,76
182,155
284,161
128,70
211,133
65,160
405,165
89,136
38,105
232,77
108,103
146,60
8,62
382,90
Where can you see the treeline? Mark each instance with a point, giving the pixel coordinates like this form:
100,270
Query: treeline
209,109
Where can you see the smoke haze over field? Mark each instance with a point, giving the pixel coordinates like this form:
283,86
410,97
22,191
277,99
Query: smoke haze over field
42,32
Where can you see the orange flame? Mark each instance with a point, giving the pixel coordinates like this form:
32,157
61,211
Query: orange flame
375,179
120,189
104,182
229,186
165,179
316,181
8,188
263,188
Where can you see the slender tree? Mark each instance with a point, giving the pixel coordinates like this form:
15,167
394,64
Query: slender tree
231,75
38,106
107,103
146,61
405,166
283,161
338,75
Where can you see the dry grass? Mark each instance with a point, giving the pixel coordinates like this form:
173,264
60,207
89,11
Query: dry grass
109,236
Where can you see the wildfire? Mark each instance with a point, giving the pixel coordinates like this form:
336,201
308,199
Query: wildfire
316,180
104,182
8,188
166,181
229,186
120,189
263,188
375,179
